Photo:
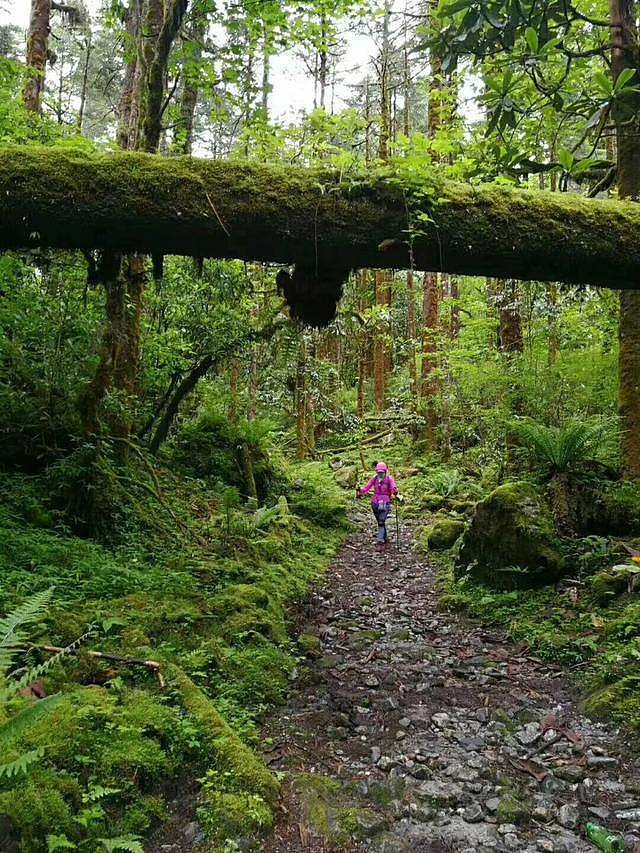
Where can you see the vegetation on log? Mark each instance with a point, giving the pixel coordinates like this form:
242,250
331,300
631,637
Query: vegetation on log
138,202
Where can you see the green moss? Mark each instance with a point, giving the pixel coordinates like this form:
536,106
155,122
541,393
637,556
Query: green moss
32,810
226,752
444,533
511,541
604,586
310,645
228,816
273,213
514,806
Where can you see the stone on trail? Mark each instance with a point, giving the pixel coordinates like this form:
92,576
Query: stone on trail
568,816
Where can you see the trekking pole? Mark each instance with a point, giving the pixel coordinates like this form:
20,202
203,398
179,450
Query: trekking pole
397,526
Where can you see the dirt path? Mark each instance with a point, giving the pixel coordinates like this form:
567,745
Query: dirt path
413,730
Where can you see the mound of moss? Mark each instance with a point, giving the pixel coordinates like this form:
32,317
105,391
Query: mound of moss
444,533
510,542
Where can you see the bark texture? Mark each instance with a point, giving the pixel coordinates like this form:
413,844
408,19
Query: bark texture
36,58
625,53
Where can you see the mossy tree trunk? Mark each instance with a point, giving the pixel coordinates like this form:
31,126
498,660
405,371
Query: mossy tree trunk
511,338
301,400
411,330
183,133
381,347
184,206
625,53
37,50
430,361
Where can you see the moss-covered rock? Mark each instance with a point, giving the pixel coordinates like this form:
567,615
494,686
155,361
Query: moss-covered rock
444,533
346,477
511,542
607,585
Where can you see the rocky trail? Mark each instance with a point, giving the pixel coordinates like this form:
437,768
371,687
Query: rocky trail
414,730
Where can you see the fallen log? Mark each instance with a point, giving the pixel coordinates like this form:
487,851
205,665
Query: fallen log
212,208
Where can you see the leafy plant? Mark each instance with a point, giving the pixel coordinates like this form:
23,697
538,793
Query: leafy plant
561,449
12,637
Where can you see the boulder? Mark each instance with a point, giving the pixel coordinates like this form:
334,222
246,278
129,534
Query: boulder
510,542
444,533
346,476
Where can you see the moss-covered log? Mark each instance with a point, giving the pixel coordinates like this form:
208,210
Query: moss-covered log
180,205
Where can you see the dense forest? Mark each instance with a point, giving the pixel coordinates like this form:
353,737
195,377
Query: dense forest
219,309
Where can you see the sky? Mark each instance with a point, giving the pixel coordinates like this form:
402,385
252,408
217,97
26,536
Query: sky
292,86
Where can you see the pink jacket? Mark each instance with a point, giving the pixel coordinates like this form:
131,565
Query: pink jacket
382,491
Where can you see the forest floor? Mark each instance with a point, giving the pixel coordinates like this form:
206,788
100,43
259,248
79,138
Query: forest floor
411,729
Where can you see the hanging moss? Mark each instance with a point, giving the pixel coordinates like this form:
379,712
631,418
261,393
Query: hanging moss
211,208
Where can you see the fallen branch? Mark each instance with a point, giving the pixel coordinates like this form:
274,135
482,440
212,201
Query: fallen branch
153,665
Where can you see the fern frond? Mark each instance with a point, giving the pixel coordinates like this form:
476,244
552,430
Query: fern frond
128,843
21,764
30,611
33,673
59,842
13,728
561,448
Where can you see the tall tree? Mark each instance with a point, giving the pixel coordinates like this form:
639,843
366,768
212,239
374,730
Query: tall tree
625,64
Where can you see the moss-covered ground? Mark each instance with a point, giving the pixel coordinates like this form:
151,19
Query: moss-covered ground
180,581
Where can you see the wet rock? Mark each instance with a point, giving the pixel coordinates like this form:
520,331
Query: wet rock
386,763
473,813
601,762
629,814
440,793
376,754
568,816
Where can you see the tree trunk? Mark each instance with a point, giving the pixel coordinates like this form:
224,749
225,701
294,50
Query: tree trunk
381,347
216,208
551,293
301,400
183,136
310,406
385,90
248,477
234,376
186,386
430,325
36,57
625,54
411,333
85,80
511,339
454,321
323,56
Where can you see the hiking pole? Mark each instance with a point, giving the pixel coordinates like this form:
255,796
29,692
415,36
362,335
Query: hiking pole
397,526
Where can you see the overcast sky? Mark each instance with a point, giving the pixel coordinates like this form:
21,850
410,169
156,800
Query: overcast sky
292,84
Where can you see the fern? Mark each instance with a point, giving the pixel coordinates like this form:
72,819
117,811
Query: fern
15,726
128,843
21,764
560,449
12,638
32,610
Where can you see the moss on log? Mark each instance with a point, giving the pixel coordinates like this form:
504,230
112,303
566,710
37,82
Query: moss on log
204,208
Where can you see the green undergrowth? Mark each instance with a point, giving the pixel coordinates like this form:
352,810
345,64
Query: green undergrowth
200,587
596,636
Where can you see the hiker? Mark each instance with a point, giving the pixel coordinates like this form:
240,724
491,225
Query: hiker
384,490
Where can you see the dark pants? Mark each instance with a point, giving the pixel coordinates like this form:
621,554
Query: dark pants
381,513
